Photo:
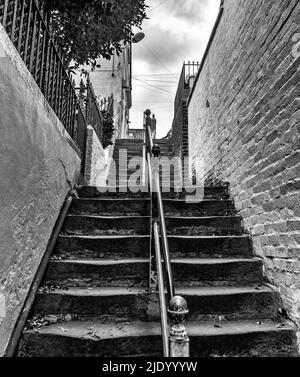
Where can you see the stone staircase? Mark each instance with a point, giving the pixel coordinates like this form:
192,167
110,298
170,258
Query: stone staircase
124,168
94,300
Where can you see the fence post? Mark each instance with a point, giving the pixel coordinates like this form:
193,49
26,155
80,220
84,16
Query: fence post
179,341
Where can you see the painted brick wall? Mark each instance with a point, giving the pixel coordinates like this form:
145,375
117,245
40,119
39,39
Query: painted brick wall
39,164
244,123
96,166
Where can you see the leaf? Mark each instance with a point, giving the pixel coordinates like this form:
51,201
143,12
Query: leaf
88,29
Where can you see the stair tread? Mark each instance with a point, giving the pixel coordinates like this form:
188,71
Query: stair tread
106,199
100,331
98,291
190,291
103,261
211,261
95,237
147,217
193,261
107,216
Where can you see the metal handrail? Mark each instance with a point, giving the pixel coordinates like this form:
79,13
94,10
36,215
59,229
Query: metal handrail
161,290
159,234
160,208
175,342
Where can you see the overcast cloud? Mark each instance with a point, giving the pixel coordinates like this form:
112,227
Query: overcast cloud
178,30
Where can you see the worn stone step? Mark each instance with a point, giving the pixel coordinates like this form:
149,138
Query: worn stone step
127,272
106,207
128,148
95,339
205,304
231,303
118,225
126,170
212,225
106,303
93,273
127,157
211,192
112,225
132,141
123,158
217,272
94,247
210,246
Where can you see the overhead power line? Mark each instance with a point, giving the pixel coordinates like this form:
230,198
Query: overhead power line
154,86
157,6
156,57
154,90
158,75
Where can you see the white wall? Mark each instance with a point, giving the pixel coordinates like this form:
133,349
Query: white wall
39,163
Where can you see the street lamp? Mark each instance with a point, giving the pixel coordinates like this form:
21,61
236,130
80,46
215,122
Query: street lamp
138,37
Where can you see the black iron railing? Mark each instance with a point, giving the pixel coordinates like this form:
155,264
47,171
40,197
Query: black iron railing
28,29
186,82
92,108
107,104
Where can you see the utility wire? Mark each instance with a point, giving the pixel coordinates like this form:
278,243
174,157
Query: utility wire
157,6
154,86
157,91
155,56
158,75
154,90
166,81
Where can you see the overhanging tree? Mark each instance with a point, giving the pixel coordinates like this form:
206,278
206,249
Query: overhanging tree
88,29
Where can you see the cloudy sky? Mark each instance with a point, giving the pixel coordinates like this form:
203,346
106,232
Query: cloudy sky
177,31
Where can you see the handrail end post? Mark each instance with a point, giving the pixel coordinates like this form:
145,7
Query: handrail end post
179,347
179,341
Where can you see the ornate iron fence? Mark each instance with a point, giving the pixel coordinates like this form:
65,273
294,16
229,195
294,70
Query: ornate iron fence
93,109
27,28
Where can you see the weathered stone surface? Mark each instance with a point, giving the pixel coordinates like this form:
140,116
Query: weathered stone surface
109,225
174,207
39,163
95,298
213,192
219,272
94,247
105,273
121,304
144,339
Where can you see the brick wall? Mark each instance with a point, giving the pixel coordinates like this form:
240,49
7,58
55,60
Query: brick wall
96,166
180,131
244,123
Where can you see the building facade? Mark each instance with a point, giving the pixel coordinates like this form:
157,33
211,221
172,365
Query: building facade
114,76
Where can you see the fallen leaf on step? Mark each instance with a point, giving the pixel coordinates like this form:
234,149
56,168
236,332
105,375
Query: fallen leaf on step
63,329
51,318
68,317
